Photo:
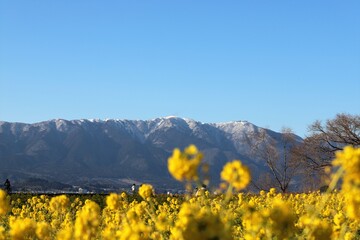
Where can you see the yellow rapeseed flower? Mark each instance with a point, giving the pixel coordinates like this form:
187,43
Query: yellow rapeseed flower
59,204
113,201
87,221
43,231
283,219
138,231
184,165
22,228
349,160
4,203
198,223
320,230
65,233
236,174
162,223
146,191
2,233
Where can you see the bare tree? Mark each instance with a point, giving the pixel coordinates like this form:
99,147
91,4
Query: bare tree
278,155
318,150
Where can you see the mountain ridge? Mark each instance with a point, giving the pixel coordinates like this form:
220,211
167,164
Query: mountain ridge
69,151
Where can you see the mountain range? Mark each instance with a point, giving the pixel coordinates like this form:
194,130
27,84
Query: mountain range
105,155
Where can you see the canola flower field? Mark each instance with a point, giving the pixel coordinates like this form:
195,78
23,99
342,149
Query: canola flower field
231,214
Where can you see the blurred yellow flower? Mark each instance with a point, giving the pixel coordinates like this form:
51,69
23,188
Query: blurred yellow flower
349,160
22,228
198,223
138,231
43,231
4,203
2,233
236,174
87,221
283,219
146,191
184,165
113,201
59,204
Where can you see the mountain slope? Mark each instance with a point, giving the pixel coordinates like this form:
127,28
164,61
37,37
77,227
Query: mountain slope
114,153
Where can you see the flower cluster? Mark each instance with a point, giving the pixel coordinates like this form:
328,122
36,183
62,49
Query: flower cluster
236,174
59,204
184,165
349,161
198,223
87,221
146,191
267,215
4,203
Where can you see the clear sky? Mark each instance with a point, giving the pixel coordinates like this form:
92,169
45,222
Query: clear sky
273,63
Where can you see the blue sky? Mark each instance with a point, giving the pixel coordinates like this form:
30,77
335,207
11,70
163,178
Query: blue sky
274,63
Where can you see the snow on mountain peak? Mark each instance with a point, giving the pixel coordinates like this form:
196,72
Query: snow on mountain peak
143,128
237,129
171,116
95,120
60,124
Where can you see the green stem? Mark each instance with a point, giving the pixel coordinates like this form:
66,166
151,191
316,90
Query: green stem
229,194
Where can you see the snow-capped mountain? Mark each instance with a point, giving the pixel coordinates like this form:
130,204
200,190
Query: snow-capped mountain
118,152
